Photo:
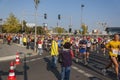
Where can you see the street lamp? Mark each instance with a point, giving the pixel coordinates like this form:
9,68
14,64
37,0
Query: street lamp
36,7
82,14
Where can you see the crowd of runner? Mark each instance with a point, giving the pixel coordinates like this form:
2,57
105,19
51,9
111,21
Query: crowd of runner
82,47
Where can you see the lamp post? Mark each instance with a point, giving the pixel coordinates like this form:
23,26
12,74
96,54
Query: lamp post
36,7
82,14
1,24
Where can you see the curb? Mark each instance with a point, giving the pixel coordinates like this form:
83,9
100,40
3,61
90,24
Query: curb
12,57
7,58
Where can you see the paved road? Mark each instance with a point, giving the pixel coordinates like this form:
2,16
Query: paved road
8,52
38,68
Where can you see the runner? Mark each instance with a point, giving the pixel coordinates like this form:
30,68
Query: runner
113,47
82,49
88,49
103,48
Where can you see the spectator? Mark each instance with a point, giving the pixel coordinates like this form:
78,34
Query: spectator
40,44
66,61
54,51
24,40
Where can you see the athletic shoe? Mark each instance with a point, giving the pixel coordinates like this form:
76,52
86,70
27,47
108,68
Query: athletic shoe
104,71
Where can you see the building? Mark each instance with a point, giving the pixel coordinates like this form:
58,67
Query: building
112,30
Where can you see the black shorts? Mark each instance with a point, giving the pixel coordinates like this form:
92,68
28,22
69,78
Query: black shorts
102,46
118,58
88,49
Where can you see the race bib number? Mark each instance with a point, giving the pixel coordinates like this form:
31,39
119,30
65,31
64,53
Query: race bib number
83,46
115,51
39,45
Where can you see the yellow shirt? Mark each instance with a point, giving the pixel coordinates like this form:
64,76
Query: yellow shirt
114,47
24,39
54,48
66,40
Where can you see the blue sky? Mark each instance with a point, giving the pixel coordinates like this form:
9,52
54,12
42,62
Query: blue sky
94,12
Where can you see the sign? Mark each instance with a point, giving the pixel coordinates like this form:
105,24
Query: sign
30,24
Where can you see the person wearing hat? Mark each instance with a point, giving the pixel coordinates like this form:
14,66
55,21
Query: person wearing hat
66,61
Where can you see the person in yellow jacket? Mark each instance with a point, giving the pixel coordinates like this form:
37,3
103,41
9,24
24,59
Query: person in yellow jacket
54,51
66,39
24,40
113,48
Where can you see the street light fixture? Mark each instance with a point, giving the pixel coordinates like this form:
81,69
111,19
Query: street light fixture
36,7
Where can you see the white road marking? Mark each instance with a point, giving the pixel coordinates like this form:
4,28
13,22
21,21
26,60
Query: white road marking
74,67
88,75
7,58
31,60
82,71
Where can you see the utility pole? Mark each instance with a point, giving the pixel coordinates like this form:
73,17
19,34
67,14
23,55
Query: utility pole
22,21
36,8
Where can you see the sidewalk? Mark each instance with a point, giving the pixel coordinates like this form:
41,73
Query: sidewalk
8,52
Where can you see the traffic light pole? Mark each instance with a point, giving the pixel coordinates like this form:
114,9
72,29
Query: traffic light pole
35,48
35,40
70,26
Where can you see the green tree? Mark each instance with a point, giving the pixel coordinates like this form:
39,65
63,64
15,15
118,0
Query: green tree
84,29
59,30
11,25
41,30
24,26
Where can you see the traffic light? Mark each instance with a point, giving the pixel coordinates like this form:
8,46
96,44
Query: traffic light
45,16
70,30
0,19
59,17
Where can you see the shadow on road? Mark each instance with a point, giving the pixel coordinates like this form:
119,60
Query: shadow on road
53,70
25,67
95,78
96,68
0,75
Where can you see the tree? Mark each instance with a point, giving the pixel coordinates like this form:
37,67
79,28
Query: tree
24,26
41,30
84,29
11,25
59,30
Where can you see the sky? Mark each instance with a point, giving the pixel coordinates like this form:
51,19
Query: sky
93,14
